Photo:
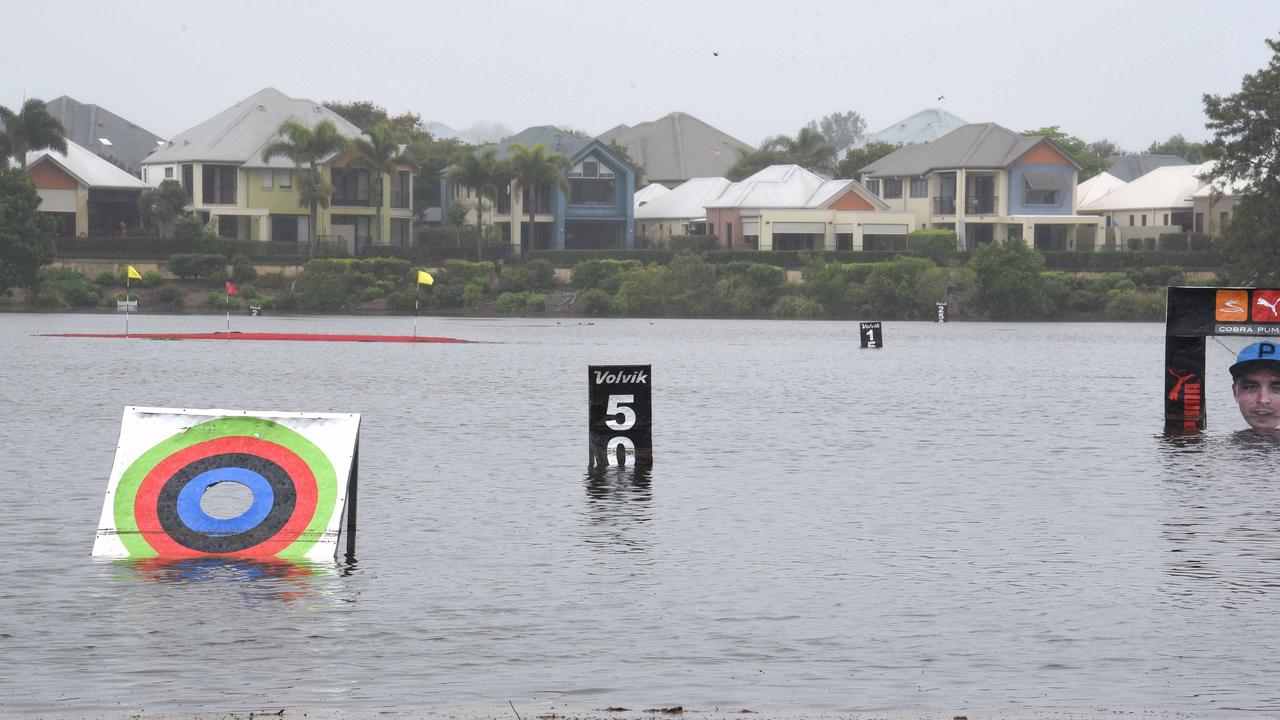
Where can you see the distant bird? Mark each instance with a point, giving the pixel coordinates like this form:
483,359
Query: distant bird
942,97
717,54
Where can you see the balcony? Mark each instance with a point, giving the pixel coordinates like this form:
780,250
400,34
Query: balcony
981,205
351,197
944,205
399,199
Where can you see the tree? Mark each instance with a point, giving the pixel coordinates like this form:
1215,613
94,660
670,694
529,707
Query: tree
1192,152
32,128
841,129
379,154
1246,150
26,235
162,205
366,115
308,146
534,166
1090,162
1104,148
857,158
808,149
479,171
625,154
1009,284
751,162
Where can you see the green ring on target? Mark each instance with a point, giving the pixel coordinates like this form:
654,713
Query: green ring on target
259,428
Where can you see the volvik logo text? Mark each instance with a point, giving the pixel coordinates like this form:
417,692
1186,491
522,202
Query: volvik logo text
639,377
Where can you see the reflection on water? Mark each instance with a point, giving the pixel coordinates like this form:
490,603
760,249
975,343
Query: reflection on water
619,508
262,579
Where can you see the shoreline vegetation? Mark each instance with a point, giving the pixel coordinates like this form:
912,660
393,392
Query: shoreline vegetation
1009,282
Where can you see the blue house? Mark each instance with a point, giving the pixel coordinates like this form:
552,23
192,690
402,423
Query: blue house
596,213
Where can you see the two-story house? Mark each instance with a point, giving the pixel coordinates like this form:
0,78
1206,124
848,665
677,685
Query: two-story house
219,163
989,184
598,212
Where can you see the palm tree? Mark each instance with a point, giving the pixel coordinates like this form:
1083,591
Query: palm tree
379,154
308,146
808,149
31,128
533,166
480,171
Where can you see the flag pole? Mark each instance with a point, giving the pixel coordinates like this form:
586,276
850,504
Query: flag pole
226,305
417,293
126,303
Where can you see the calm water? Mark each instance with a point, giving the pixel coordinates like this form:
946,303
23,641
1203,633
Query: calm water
978,517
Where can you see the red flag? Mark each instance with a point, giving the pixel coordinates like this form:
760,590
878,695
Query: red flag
231,288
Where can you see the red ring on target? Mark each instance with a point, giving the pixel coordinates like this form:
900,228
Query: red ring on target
304,482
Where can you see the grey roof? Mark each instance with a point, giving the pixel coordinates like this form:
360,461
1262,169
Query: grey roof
238,134
977,146
1131,167
555,140
925,126
677,147
89,125
440,131
87,168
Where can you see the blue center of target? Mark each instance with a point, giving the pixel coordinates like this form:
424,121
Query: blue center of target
194,516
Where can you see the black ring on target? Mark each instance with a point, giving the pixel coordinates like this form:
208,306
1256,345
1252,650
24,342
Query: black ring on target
281,509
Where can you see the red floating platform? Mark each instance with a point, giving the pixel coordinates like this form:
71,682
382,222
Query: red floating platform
288,337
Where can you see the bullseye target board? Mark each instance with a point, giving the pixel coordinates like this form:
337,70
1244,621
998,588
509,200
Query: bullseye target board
299,467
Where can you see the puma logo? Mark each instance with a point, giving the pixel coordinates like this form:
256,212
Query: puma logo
1173,394
1270,305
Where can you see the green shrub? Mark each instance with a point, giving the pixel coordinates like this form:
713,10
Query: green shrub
60,287
692,243
242,269
595,302
247,291
320,292
402,300
938,245
473,294
1173,242
202,266
1160,276
796,307
105,279
533,275
170,296
1136,306
522,303
603,274
222,302
151,279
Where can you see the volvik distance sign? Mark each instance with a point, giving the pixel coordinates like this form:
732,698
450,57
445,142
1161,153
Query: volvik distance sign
299,468
871,334
620,415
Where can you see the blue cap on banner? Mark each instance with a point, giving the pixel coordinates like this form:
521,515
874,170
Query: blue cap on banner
1259,352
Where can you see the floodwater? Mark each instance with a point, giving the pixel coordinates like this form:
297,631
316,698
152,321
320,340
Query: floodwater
975,518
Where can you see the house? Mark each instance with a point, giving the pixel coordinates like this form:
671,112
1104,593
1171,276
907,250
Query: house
1097,186
786,207
925,126
597,213
104,133
1134,165
989,184
681,211
219,162
677,147
1157,203
1214,205
648,194
85,194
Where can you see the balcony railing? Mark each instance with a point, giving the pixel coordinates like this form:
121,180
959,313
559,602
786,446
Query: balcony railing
944,205
351,198
981,205
399,199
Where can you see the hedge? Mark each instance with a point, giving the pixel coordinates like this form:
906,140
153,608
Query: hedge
1189,260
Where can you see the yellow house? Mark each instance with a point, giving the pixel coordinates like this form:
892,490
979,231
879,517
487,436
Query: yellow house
219,163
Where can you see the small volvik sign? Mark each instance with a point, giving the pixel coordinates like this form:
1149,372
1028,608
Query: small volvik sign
942,311
871,334
620,415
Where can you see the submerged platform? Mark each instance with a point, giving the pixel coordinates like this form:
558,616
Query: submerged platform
287,337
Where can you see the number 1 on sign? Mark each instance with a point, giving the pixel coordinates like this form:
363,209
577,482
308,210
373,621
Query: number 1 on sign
871,338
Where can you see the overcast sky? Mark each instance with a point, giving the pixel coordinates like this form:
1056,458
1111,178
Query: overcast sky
1130,72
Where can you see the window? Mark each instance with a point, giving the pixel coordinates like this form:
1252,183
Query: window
1042,188
267,183
591,183
1222,220
284,178
1130,221
728,228
1166,219
168,173
350,187
219,185
892,188
920,187
873,185
1144,220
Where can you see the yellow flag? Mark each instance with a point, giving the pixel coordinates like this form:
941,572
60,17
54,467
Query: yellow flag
133,273
424,278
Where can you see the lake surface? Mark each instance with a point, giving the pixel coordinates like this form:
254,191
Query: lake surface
975,518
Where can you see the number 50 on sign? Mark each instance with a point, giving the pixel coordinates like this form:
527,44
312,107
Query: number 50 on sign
620,415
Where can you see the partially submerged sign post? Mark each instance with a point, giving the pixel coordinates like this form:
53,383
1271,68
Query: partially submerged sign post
871,334
620,415
299,467
942,311
1193,314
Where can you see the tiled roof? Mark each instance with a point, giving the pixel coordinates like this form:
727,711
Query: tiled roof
678,147
89,169
788,186
979,145
1131,167
103,132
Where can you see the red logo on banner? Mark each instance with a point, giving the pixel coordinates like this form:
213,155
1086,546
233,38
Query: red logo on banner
1264,305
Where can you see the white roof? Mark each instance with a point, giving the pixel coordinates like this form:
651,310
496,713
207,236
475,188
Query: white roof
789,186
1096,187
87,168
687,201
1166,187
238,134
649,193
1228,188
925,126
